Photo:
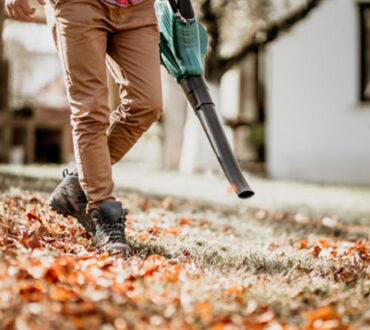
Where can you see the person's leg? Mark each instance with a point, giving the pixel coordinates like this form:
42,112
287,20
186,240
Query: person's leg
80,29
81,36
134,63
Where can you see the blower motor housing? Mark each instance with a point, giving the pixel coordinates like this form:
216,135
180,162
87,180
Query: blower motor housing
183,42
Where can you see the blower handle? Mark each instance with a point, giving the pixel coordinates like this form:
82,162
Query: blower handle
186,9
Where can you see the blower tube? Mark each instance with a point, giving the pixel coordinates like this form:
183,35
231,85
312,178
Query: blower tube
199,97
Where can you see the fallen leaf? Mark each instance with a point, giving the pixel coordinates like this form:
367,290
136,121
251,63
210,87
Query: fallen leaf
323,313
142,237
30,292
232,189
170,231
62,294
204,311
303,244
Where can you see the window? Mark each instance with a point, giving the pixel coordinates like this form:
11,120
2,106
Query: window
365,51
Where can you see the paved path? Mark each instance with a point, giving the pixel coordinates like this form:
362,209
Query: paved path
342,201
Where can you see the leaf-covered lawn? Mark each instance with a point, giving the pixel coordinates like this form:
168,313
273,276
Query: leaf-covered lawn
195,267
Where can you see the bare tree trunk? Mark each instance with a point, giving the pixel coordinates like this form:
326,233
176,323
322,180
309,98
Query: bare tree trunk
3,67
174,116
5,128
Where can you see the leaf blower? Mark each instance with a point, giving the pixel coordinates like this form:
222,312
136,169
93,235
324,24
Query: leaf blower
183,45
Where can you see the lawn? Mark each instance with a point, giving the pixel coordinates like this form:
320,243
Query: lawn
194,267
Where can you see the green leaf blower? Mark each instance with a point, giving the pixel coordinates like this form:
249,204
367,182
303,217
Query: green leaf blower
183,45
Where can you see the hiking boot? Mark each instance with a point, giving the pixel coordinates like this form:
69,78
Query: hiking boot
109,221
69,199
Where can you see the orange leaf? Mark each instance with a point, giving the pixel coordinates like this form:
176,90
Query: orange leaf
78,322
232,189
218,326
177,269
53,274
170,231
204,311
62,294
173,274
303,244
334,253
142,236
323,243
234,290
185,221
30,292
31,240
150,268
316,250
323,313
154,230
32,216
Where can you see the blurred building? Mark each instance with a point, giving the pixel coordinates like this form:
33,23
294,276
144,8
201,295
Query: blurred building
34,122
318,96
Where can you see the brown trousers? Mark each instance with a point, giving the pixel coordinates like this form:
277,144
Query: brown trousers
90,36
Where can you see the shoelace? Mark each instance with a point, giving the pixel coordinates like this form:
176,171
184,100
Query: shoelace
66,172
114,229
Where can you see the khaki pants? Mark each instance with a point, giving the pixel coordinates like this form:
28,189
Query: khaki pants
92,35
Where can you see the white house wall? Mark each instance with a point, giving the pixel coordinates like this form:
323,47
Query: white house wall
317,128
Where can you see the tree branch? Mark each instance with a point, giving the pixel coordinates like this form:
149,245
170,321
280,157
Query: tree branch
265,35
211,21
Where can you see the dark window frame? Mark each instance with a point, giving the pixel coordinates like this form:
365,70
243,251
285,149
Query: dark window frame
364,59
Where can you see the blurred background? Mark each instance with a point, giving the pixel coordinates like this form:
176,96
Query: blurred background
291,79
